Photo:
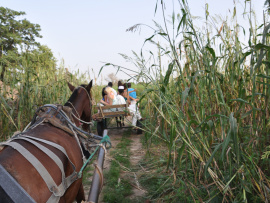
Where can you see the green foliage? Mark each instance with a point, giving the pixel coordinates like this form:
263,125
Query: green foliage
117,188
17,35
31,85
29,76
210,107
15,31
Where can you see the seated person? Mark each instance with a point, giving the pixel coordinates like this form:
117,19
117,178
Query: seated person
119,99
108,98
104,99
120,83
110,85
132,93
126,93
133,108
121,91
111,96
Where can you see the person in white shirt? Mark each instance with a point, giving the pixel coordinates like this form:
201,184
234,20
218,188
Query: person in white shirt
119,99
133,108
110,85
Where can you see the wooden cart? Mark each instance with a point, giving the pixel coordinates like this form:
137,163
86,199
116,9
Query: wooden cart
103,117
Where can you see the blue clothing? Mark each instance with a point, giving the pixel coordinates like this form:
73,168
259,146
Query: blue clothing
132,94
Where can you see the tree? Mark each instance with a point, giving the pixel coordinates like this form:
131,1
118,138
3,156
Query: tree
15,35
42,56
112,78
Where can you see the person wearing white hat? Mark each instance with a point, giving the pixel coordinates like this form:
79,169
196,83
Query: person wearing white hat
133,108
119,99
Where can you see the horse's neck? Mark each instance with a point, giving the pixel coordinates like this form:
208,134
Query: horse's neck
77,109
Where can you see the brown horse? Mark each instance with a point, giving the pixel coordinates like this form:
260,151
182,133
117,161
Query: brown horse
28,177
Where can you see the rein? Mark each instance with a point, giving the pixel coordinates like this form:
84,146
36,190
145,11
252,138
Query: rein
90,102
61,117
106,140
56,190
89,123
74,109
63,114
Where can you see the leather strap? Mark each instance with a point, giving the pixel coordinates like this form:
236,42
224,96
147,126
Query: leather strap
70,179
47,151
12,189
62,149
57,191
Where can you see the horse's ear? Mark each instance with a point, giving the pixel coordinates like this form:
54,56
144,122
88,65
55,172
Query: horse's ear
89,86
71,87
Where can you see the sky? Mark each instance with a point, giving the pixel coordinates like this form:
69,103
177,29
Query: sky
85,34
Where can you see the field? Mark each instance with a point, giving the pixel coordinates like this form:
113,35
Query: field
209,107
205,94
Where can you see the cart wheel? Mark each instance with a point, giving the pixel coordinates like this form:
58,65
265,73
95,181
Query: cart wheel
139,124
100,127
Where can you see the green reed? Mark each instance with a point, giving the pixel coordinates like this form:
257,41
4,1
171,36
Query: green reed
30,84
210,106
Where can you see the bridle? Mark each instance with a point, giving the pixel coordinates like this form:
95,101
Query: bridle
90,107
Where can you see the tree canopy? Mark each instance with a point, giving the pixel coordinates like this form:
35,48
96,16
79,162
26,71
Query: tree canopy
18,35
15,31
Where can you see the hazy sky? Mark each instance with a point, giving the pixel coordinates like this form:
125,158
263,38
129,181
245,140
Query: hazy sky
85,33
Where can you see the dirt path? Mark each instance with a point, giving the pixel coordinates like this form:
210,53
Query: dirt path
115,136
137,153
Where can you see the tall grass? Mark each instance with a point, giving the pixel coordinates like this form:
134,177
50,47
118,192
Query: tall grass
210,106
29,85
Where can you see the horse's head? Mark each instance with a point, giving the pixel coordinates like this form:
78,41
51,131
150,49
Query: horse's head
81,103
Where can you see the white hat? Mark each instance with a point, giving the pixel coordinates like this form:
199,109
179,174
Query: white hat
121,87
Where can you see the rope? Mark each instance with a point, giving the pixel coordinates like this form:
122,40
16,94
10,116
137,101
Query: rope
26,127
78,118
90,99
77,139
106,140
90,102
72,124
74,109
100,173
81,120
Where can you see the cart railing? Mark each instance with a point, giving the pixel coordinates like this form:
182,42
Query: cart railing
108,114
97,181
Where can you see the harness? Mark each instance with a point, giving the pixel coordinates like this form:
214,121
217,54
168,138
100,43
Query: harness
60,117
57,190
91,103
